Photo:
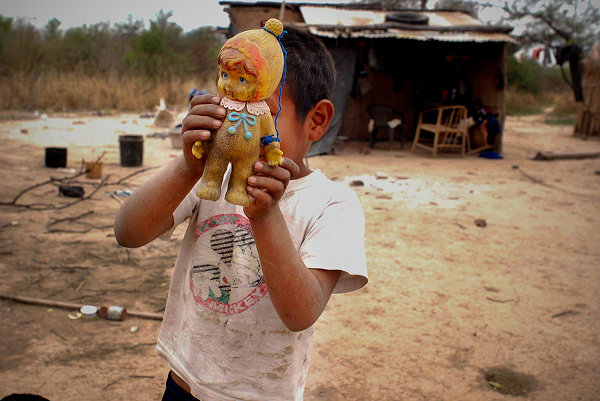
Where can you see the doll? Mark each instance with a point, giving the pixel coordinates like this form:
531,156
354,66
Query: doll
251,65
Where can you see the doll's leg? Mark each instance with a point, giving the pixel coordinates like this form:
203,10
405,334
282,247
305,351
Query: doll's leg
236,192
212,178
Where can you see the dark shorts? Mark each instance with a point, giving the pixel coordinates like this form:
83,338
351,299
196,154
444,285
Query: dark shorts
175,393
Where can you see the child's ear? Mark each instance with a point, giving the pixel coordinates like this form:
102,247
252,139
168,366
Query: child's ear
319,118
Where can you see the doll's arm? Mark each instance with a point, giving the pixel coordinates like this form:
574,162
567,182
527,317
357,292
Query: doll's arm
270,141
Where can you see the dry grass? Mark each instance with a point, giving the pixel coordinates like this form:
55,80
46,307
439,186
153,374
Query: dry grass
561,104
72,91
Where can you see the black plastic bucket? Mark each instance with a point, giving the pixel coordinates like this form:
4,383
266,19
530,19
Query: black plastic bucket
131,149
56,157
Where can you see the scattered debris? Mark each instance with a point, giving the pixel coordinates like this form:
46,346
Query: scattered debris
460,225
71,191
113,312
515,166
133,329
89,311
506,381
164,118
161,135
481,223
78,122
357,183
147,115
24,131
74,316
123,193
597,172
565,313
381,176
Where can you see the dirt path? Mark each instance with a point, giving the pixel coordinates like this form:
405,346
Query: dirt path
453,311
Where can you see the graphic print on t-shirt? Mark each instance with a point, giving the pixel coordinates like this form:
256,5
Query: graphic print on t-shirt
226,276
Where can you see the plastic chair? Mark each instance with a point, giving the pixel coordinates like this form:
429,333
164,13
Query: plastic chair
382,115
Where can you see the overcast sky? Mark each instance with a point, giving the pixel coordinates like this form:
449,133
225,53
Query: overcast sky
189,14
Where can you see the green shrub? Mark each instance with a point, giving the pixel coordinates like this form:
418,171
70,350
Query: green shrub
524,75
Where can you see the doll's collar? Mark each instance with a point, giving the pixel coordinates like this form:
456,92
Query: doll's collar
257,108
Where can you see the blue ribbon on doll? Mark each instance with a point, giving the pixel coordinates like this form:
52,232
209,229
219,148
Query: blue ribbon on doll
241,117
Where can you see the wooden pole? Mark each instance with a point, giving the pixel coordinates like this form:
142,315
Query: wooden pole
71,305
282,11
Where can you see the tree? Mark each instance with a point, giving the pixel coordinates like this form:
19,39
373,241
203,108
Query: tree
556,22
459,5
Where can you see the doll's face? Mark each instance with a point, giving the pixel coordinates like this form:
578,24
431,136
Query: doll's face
237,79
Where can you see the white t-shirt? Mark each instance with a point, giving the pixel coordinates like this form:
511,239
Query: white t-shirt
221,333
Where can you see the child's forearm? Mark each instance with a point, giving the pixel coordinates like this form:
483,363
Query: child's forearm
299,294
148,212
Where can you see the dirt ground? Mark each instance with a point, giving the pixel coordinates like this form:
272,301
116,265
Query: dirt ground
453,310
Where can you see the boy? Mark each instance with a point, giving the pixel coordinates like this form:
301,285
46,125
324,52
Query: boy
250,282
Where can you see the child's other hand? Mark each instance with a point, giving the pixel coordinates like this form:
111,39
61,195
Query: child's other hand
267,187
204,118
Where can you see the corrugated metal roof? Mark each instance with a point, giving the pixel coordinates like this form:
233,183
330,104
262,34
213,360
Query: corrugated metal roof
447,26
479,37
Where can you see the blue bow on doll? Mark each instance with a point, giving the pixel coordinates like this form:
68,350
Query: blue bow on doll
241,117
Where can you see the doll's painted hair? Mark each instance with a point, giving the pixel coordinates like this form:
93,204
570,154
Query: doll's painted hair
230,59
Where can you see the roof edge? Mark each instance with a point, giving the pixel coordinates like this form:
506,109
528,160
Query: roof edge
410,27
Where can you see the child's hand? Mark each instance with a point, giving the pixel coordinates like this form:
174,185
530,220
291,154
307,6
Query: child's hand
267,187
205,117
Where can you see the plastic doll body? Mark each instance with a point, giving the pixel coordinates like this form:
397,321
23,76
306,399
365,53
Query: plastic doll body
238,140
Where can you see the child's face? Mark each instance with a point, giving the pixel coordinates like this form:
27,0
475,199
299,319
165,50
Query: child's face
237,83
293,132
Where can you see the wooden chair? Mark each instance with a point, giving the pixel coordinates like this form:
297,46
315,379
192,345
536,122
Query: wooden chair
450,130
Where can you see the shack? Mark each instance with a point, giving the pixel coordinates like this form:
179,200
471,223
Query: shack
411,60
588,116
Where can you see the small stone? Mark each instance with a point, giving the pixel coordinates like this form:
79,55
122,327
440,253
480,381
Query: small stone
480,223
357,183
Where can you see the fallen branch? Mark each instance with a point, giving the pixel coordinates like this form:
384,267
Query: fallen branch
74,220
544,184
71,305
69,180
546,156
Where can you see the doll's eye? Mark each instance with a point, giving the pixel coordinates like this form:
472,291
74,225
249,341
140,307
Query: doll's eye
224,75
242,80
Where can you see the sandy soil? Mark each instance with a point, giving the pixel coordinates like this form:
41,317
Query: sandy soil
453,311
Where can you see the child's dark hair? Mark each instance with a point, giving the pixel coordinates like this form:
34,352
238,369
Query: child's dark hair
310,70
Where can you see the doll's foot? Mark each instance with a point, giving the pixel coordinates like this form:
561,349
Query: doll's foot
237,196
209,191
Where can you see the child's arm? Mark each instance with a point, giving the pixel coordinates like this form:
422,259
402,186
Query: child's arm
148,212
298,293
